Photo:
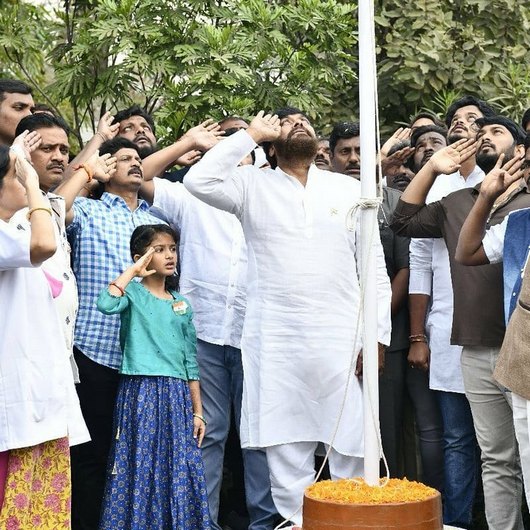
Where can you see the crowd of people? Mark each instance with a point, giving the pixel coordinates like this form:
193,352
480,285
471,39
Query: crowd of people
153,297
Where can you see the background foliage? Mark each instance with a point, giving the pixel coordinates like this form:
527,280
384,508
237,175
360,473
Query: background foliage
188,60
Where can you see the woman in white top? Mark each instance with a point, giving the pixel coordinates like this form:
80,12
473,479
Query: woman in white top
39,410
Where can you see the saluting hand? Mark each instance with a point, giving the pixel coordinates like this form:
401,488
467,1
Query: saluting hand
499,179
264,127
450,158
140,266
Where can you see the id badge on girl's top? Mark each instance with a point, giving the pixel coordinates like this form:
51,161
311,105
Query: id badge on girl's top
180,307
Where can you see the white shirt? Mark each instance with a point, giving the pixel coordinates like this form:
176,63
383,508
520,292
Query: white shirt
213,262
38,401
430,274
303,297
58,267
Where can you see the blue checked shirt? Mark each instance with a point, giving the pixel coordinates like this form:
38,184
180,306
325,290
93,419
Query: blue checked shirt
100,234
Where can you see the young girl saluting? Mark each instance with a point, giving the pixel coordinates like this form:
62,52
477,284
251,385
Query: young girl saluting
156,479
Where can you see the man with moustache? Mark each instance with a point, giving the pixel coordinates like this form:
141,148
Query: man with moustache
303,299
99,231
477,320
430,271
16,102
507,242
322,160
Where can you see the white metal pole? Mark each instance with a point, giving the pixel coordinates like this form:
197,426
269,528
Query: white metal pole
367,87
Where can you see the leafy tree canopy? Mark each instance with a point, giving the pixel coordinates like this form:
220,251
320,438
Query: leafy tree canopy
186,61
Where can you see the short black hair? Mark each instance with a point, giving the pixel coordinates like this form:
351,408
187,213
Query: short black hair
135,110
13,86
398,146
5,162
114,145
465,101
42,107
344,129
41,120
516,131
232,117
420,131
527,142
429,116
526,118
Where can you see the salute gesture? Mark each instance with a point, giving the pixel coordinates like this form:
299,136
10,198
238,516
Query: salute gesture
501,177
24,144
450,158
103,167
264,127
205,135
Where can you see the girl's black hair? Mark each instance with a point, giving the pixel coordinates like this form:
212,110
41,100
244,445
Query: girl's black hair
141,240
5,162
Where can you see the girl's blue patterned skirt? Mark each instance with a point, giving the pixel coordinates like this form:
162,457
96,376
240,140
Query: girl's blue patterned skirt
155,478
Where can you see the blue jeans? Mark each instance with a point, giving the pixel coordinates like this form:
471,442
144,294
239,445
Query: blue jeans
221,373
460,458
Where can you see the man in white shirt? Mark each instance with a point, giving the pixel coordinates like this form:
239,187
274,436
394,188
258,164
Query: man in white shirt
303,300
431,326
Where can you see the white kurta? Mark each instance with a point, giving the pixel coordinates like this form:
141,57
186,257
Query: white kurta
303,297
429,266
38,401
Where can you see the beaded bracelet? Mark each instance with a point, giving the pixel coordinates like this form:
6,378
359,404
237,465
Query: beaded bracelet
200,418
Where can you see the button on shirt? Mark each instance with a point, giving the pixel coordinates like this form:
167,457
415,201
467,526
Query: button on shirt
213,262
100,234
430,274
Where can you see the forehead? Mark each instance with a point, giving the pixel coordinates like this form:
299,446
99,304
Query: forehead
234,123
126,152
491,127
53,136
422,122
293,117
10,98
348,143
430,136
468,109
134,120
162,238
323,143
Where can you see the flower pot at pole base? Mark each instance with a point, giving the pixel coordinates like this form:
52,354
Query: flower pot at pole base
353,505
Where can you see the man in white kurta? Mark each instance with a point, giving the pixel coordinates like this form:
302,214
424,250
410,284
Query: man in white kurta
303,300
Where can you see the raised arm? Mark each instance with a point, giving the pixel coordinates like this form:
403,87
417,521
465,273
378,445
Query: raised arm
199,138
42,241
470,250
106,130
216,179
100,168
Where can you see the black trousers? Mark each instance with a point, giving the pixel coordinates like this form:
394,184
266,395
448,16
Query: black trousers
97,396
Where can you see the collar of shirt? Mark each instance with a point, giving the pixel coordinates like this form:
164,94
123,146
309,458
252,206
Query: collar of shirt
112,200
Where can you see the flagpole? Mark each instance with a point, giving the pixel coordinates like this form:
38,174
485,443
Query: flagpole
369,228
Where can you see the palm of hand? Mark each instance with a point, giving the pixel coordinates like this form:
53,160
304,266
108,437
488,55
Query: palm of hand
446,160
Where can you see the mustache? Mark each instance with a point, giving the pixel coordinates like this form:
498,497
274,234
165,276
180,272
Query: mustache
143,137
135,171
55,165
